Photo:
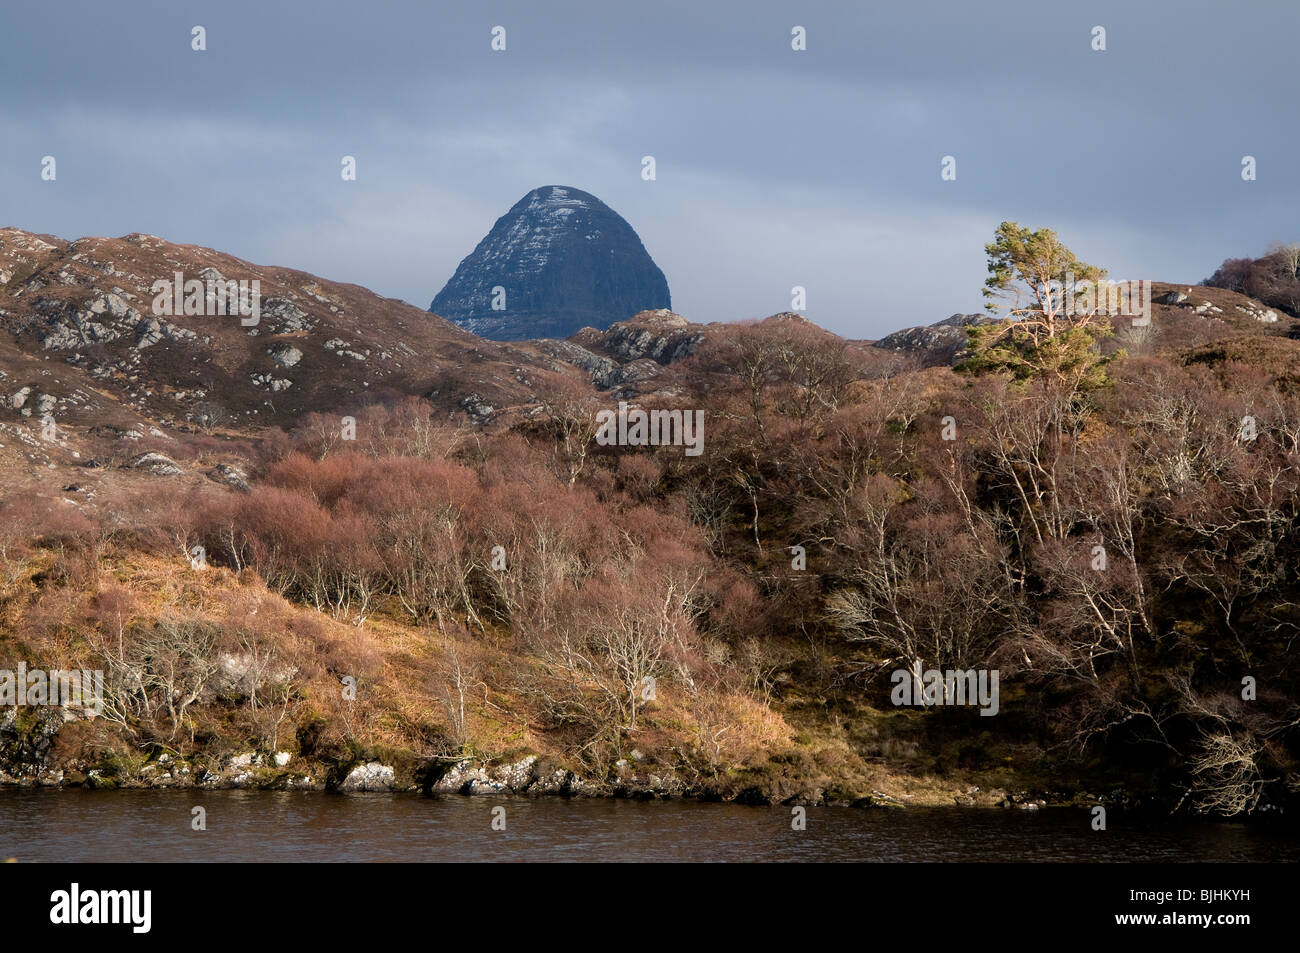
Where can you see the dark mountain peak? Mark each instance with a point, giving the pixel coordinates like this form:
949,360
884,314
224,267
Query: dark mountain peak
558,261
559,196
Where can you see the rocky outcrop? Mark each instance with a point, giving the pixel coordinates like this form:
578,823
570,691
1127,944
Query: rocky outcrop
558,261
371,776
628,353
661,335
282,316
26,740
159,464
231,476
273,384
286,355
27,759
526,776
940,343
570,353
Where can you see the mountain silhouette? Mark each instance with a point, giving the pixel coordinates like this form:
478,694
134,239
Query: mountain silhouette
558,261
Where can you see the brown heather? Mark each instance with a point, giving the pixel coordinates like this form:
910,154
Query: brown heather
374,559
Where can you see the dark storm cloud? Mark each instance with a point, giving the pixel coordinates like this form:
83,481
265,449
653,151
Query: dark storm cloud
775,168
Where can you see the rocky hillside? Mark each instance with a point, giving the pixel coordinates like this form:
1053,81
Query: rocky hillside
81,342
562,260
317,345
940,343
629,357
320,346
1181,316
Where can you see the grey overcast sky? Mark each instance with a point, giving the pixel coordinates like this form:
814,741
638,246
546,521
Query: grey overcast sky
775,168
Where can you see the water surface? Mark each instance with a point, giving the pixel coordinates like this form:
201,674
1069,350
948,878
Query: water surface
244,826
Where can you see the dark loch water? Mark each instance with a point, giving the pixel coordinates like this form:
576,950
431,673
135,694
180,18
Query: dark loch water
243,826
